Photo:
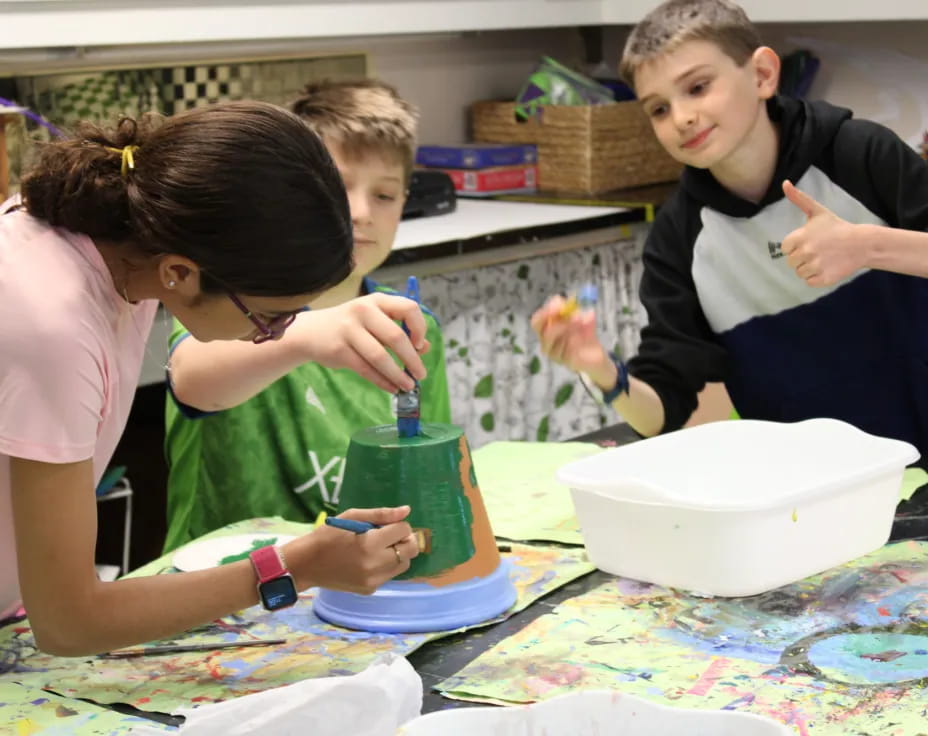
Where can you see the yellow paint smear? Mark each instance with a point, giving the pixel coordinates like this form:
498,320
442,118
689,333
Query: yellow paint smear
27,727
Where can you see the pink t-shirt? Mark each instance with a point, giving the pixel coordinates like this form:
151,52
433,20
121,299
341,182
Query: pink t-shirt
71,349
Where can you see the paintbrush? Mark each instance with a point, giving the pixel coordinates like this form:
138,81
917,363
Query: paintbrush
407,402
177,648
584,299
423,536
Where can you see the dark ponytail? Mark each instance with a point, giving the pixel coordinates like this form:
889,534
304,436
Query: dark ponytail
243,189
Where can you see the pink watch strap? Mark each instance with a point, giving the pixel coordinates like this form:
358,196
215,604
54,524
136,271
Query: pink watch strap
268,563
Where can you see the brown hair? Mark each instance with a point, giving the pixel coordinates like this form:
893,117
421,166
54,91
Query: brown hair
362,117
243,189
674,22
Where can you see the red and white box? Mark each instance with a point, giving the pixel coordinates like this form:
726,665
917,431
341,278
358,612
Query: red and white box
494,180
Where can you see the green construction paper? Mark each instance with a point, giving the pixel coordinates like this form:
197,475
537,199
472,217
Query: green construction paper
912,480
312,649
843,652
523,499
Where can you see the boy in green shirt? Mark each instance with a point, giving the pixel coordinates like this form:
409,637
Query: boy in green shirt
282,451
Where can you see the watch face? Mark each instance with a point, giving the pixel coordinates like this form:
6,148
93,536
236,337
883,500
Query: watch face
278,593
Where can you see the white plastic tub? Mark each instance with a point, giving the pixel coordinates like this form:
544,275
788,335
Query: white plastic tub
590,713
739,507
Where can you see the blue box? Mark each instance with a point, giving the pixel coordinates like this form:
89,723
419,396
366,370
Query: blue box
477,155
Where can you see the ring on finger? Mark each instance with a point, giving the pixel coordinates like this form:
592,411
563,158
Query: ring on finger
399,557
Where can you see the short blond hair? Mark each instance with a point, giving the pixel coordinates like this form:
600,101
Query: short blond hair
361,117
675,22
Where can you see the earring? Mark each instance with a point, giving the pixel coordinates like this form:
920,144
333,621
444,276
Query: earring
172,284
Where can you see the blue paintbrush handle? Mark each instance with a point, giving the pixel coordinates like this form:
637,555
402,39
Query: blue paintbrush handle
350,525
412,289
407,420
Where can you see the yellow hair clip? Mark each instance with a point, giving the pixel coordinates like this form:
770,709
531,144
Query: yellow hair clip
128,158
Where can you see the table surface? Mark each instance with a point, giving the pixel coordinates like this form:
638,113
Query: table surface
440,659
444,657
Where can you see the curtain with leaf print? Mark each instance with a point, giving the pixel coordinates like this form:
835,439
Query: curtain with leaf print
502,388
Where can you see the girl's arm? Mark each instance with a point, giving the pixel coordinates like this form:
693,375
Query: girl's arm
73,613
355,335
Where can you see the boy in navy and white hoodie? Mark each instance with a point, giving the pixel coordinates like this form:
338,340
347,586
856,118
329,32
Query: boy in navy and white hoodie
790,262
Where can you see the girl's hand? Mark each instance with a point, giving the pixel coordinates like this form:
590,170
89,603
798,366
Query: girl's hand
357,334
357,563
571,340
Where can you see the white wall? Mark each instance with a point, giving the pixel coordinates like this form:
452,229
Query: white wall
441,73
443,76
877,69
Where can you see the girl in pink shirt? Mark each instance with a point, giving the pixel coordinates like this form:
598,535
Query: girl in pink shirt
234,217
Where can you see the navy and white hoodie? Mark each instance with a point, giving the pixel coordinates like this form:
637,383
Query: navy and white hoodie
723,305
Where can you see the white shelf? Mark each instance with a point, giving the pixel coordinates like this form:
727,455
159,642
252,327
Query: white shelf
78,23
476,217
64,23
623,12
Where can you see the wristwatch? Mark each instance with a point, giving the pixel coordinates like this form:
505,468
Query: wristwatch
621,380
276,588
621,383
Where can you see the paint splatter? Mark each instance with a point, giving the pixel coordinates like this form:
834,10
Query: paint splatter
314,649
883,656
741,654
255,544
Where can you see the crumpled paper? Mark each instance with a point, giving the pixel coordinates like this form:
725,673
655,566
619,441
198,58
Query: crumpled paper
375,702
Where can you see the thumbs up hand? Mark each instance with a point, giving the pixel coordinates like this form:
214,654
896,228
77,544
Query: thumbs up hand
823,251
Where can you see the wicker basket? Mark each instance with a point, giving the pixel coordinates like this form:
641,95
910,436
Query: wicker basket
592,148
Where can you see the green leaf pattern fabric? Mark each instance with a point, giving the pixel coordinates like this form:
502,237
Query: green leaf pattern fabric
501,387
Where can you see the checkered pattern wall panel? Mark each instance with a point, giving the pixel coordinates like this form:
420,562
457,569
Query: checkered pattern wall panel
105,95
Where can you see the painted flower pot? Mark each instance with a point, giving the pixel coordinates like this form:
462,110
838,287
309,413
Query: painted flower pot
433,474
460,580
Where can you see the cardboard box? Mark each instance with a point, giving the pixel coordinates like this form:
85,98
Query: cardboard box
476,155
494,180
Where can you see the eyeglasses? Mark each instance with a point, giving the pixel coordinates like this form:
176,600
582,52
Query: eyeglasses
268,330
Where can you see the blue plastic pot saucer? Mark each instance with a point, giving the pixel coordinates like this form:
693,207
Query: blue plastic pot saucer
411,607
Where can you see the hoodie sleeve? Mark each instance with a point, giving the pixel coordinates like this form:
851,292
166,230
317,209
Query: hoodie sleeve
678,352
883,172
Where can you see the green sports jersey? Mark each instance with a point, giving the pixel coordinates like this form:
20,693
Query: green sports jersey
282,452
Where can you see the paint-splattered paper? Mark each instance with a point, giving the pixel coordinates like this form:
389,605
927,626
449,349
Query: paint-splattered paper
523,499
313,649
845,652
25,711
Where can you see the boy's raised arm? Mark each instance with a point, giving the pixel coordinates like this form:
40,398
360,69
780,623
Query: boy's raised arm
211,376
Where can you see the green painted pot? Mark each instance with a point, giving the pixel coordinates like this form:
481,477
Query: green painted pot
432,473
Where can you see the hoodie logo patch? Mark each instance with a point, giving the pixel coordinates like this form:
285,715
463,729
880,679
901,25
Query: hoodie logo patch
774,250
313,400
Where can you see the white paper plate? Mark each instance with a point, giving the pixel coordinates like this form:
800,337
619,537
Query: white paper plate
211,552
